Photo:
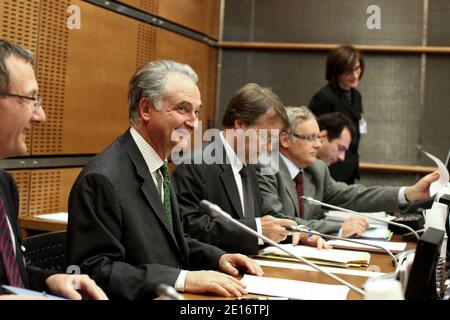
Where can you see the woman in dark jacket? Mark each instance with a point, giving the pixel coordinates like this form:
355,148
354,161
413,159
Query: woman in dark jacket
345,67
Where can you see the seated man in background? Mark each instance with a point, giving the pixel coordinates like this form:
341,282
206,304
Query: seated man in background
123,208
20,109
336,131
301,173
229,179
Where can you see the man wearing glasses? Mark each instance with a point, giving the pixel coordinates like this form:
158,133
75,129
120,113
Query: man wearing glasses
20,109
301,173
336,131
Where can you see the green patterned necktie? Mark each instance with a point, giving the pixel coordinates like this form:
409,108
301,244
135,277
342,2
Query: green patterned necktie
166,187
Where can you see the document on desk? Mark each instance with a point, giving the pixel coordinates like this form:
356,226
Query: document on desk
394,247
294,289
335,257
57,217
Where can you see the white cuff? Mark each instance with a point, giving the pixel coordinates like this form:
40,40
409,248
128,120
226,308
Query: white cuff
401,196
259,230
179,284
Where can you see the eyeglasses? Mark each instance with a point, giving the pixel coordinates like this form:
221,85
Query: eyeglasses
37,102
357,69
310,138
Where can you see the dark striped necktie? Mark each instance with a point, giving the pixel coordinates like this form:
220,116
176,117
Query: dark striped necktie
9,260
299,188
166,187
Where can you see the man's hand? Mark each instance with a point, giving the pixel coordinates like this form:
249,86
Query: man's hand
213,282
421,190
354,226
74,287
274,228
310,240
230,263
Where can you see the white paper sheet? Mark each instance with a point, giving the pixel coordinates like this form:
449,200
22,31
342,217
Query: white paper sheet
341,256
58,217
439,185
294,289
301,266
394,247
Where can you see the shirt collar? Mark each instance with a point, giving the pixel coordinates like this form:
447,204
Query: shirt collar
232,157
292,167
151,158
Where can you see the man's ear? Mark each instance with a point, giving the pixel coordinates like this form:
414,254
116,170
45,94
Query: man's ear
239,124
324,133
145,108
285,139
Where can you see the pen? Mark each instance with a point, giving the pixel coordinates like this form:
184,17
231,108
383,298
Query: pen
265,298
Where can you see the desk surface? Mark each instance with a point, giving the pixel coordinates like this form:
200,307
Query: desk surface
379,260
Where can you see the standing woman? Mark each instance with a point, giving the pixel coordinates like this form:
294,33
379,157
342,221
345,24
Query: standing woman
345,66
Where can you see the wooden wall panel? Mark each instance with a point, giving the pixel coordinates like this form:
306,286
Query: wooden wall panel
50,189
101,58
22,178
51,65
198,55
19,20
150,6
199,15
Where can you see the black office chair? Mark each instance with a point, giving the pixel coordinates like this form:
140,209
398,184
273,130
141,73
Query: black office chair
46,250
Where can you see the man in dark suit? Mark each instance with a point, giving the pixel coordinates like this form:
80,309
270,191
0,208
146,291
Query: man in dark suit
301,173
226,176
336,131
20,109
122,206
344,69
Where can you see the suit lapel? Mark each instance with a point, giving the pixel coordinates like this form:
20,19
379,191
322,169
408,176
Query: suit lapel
290,185
227,177
11,213
148,185
230,187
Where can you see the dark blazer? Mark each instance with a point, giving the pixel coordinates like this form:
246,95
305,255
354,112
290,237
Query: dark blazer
280,198
214,182
119,232
330,99
32,277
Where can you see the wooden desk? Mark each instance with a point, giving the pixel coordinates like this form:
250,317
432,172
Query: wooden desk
383,261
27,224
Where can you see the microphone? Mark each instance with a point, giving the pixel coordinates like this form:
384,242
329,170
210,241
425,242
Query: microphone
320,203
168,293
215,211
305,229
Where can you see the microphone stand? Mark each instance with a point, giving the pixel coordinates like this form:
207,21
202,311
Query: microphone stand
215,211
320,203
301,229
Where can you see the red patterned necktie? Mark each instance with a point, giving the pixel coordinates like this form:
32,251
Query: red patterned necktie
7,251
299,187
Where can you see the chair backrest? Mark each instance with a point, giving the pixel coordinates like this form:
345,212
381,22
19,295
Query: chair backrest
46,250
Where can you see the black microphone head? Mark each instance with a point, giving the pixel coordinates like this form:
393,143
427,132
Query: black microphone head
209,208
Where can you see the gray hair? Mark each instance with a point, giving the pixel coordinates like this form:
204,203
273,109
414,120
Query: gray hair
297,115
8,48
150,82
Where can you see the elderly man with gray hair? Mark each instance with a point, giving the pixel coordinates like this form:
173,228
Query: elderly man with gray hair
123,209
301,173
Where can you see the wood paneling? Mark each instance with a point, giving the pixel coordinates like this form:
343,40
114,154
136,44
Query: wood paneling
22,178
199,15
50,188
150,6
101,57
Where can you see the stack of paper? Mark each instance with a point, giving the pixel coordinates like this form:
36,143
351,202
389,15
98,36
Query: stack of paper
333,257
294,289
57,217
394,247
377,230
